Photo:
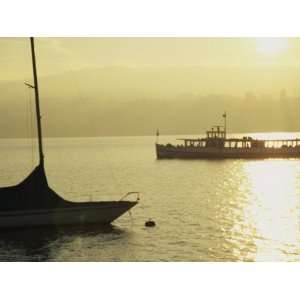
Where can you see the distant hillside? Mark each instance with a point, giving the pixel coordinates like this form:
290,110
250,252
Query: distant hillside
129,101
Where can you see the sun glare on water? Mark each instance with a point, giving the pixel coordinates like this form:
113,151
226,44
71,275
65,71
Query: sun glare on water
273,209
272,46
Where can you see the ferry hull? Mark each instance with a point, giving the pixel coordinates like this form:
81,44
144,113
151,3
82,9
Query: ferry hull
181,152
101,213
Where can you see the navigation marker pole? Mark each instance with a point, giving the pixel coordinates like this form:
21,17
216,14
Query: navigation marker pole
157,136
225,116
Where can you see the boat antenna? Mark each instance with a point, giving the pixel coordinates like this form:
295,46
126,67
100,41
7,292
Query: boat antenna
225,116
37,103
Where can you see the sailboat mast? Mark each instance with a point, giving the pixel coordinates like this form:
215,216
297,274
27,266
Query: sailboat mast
37,103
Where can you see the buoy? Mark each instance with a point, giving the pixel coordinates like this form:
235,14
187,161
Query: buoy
150,223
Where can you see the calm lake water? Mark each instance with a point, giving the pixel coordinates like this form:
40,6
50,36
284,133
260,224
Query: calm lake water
226,210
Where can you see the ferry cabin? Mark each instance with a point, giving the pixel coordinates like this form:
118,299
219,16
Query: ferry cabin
216,138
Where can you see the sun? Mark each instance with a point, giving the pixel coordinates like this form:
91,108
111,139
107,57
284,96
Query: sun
272,46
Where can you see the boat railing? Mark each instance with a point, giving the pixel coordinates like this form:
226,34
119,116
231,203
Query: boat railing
131,193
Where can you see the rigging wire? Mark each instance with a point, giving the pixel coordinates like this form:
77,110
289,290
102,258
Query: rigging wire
82,99
30,127
29,104
111,171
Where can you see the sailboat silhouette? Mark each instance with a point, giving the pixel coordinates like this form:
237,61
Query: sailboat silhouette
33,203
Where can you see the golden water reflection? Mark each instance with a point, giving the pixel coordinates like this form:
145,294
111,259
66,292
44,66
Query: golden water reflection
271,212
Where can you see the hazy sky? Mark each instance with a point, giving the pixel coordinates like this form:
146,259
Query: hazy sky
60,54
93,75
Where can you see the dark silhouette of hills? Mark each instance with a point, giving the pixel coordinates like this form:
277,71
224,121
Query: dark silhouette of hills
137,101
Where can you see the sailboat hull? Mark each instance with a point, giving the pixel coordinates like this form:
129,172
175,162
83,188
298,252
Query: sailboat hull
100,213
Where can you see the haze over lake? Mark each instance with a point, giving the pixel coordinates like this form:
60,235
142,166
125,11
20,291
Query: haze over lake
132,86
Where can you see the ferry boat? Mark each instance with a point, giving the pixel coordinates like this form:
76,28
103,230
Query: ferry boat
216,145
